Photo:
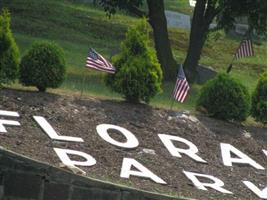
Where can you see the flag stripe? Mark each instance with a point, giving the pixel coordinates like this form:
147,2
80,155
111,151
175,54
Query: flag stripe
245,49
98,67
185,94
104,61
183,91
88,64
181,87
96,61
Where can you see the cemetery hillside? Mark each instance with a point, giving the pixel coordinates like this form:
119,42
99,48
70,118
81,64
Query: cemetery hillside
109,91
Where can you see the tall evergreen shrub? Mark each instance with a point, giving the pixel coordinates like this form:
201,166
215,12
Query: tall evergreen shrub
139,76
9,53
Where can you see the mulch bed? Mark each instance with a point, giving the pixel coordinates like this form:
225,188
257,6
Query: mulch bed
73,117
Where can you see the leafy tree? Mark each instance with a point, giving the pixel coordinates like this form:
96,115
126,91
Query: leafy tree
158,22
9,53
138,76
224,12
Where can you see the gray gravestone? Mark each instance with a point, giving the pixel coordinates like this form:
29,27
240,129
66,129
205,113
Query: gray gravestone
241,29
205,73
177,20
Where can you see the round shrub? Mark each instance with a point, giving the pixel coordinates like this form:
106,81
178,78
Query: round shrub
225,98
259,100
43,66
9,53
138,76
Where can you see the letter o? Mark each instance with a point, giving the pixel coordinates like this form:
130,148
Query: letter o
131,142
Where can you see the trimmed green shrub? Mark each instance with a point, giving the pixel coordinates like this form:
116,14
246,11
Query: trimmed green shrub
9,53
259,100
225,98
43,66
138,76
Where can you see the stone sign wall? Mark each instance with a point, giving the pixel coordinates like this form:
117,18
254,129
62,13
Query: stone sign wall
25,179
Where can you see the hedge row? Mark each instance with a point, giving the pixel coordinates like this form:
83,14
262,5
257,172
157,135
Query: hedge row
226,98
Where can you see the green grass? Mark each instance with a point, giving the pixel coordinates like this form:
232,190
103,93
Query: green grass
76,27
179,6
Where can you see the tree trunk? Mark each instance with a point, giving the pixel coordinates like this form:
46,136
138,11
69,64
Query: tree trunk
199,30
157,20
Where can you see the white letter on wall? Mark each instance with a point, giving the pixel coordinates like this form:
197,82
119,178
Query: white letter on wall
217,185
143,171
8,122
174,151
227,149
48,129
260,193
65,159
131,142
265,152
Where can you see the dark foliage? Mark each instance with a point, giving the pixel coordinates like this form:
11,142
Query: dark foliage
225,98
259,100
43,66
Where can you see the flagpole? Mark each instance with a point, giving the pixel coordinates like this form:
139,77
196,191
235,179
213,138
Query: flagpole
172,99
230,65
172,103
234,57
229,68
83,81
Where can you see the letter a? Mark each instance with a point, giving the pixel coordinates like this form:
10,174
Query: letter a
143,171
227,149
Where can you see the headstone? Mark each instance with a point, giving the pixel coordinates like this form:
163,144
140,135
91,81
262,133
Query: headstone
241,29
212,26
177,20
205,73
192,3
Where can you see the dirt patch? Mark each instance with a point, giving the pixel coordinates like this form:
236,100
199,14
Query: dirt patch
79,118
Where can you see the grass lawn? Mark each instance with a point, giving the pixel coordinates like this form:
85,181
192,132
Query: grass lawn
76,27
179,6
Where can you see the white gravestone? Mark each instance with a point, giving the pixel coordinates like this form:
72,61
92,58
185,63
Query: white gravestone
192,3
177,20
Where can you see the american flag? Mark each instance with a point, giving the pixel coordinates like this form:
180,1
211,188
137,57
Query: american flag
96,61
181,87
245,49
